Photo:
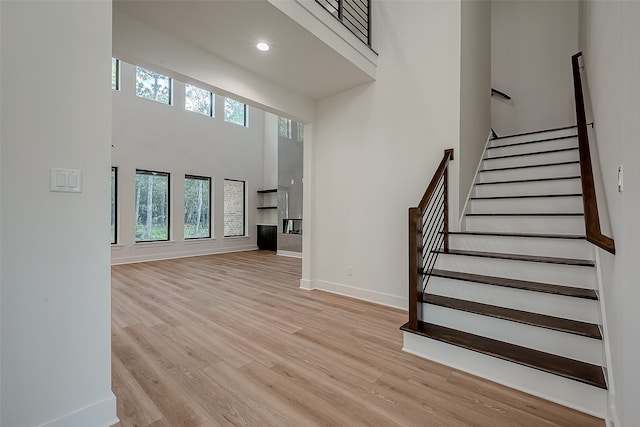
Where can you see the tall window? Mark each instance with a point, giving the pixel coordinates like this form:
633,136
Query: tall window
115,74
235,112
198,100
152,206
234,204
197,205
284,127
300,132
114,205
152,85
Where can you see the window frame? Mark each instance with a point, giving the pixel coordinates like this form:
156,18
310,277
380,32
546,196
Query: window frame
114,171
211,112
244,208
210,181
170,86
117,79
135,220
245,113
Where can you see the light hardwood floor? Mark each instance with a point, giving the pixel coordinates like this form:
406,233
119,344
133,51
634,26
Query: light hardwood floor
230,340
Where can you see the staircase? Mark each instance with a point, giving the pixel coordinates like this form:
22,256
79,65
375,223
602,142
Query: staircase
514,297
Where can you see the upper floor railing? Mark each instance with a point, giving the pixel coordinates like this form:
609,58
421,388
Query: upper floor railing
354,14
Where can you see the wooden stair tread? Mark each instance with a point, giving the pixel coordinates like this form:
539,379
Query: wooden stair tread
569,291
527,214
535,132
534,153
586,373
575,327
543,165
538,236
529,142
527,196
518,257
518,181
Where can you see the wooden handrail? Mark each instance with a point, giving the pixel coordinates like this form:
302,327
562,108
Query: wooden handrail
499,93
591,216
416,267
448,155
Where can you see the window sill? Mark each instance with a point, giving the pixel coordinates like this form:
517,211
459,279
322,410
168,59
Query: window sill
236,237
116,246
201,241
154,244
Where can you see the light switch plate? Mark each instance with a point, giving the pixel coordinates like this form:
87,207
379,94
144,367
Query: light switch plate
66,180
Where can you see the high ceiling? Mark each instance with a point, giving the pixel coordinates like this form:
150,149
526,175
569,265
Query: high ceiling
231,29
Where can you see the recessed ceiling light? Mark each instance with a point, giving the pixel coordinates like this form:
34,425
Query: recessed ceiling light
262,46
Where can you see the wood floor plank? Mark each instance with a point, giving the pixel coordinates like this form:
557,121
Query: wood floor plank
231,339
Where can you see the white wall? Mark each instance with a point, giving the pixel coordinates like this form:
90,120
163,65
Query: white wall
56,112
154,136
475,86
609,35
376,147
135,41
531,46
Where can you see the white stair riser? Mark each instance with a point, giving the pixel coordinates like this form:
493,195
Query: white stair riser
531,159
563,248
538,205
526,224
580,309
533,137
560,343
554,144
557,274
561,186
557,171
585,398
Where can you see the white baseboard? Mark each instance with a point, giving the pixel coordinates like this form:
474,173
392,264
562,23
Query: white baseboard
306,284
359,293
100,414
290,254
188,254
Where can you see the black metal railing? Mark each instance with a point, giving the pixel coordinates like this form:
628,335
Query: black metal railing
428,236
354,14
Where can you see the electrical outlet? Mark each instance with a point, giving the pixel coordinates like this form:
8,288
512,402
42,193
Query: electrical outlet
349,270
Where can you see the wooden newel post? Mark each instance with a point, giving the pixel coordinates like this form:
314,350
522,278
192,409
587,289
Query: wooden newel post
415,231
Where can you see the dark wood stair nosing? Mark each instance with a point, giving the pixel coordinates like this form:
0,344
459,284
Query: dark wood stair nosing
543,165
526,235
517,257
527,196
534,153
535,132
549,214
582,372
536,141
519,181
525,285
575,327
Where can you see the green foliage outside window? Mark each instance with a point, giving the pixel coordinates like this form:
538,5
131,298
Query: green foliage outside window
152,206
235,112
197,205
152,85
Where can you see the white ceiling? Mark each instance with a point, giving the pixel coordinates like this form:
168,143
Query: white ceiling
231,29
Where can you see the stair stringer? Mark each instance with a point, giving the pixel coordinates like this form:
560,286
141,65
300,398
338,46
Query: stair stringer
612,416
